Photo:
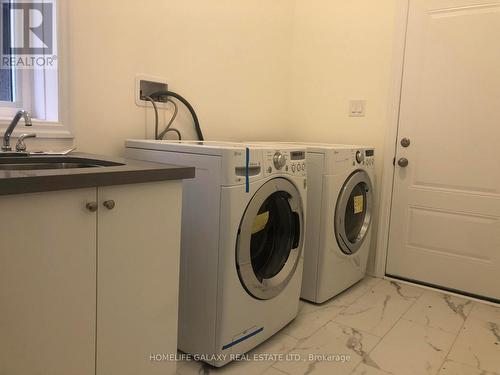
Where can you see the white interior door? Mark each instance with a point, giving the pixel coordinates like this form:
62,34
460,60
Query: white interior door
445,224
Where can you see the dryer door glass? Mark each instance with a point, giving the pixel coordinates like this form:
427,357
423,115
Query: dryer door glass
353,212
270,239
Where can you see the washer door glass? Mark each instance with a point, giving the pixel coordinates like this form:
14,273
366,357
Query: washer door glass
353,212
270,239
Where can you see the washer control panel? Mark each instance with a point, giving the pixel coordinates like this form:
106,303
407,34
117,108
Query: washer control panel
292,162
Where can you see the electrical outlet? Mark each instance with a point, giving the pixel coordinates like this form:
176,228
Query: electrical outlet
148,85
357,108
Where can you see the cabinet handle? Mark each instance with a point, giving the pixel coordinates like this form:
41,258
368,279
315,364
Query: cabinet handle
91,206
109,204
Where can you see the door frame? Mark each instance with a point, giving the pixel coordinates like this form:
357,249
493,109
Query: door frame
391,136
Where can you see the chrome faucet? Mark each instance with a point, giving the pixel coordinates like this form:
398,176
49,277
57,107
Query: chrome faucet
6,138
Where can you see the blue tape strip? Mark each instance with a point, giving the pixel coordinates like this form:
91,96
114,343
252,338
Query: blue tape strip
236,342
247,171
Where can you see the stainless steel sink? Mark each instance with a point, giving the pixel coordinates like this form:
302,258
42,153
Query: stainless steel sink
30,163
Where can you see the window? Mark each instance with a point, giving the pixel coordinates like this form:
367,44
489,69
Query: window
6,75
6,87
30,64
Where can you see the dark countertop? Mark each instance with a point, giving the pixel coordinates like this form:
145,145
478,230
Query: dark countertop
110,171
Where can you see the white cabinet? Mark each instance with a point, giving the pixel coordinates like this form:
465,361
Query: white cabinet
138,278
89,292
47,283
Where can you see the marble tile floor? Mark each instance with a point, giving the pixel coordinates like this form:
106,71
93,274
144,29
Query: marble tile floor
380,327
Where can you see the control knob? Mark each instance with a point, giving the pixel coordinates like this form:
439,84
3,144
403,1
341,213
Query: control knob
360,157
279,160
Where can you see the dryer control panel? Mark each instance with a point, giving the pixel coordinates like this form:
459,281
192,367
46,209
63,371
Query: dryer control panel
292,162
364,157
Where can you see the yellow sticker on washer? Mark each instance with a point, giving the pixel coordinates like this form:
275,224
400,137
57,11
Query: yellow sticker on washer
359,204
260,222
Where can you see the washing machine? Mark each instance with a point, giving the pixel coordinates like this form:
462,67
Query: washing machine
243,230
340,212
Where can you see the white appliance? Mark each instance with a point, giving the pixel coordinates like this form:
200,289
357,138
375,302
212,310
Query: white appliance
242,242
340,204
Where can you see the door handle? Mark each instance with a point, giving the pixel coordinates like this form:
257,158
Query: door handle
406,142
109,204
91,206
403,162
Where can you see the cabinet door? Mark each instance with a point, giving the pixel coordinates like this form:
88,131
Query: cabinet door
138,277
47,283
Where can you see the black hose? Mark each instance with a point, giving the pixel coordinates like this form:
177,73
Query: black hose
188,106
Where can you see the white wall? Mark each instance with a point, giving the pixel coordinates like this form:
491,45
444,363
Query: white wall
229,58
253,69
343,50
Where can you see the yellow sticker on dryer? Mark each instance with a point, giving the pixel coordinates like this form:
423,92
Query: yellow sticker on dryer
260,222
359,204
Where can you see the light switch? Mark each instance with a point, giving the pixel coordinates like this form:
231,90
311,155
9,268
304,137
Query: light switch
357,108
